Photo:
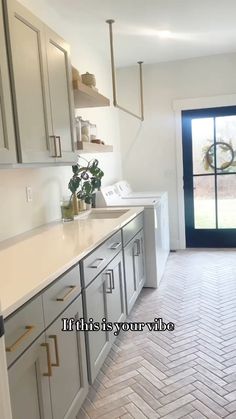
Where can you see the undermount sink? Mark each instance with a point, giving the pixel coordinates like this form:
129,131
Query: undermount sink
103,214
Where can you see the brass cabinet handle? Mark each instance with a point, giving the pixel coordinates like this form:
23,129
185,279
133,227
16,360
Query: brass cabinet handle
57,363
115,246
110,274
54,145
97,265
59,142
49,373
138,252
72,288
112,279
16,344
109,288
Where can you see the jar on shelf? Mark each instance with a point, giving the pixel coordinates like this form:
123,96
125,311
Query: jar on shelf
85,131
78,121
93,132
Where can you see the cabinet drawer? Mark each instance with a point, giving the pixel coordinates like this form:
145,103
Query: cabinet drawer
23,328
132,228
60,294
98,260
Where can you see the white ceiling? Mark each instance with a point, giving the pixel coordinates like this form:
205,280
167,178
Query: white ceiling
197,27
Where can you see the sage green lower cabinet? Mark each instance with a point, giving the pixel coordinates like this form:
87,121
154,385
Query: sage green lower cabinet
130,278
68,383
49,380
98,344
134,267
104,299
50,370
115,293
29,387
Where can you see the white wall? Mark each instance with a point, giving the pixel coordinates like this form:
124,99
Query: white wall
49,184
148,148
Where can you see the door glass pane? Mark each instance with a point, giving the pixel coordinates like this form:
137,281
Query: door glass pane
204,202
226,152
202,140
226,188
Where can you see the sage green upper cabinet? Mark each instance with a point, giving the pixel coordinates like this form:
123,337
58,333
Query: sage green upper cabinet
60,86
41,85
30,89
7,133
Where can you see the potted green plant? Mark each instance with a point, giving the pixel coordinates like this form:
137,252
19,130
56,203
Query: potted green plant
85,181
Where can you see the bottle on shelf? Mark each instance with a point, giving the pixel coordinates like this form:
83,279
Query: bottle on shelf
85,131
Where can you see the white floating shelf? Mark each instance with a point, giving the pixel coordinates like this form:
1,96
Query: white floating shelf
84,147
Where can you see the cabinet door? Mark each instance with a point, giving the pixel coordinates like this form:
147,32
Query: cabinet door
29,388
61,94
131,286
30,93
98,344
68,383
7,133
115,292
139,260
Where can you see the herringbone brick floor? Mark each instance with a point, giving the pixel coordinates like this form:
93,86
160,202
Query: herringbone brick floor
187,373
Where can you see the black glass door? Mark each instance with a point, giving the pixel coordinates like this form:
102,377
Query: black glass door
209,158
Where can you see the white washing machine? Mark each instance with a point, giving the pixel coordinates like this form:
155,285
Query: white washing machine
125,191
154,249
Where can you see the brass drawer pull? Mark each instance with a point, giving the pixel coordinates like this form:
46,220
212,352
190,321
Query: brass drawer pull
72,288
16,344
57,363
97,265
115,246
49,373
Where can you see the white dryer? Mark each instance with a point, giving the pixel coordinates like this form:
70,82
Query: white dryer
125,191
155,252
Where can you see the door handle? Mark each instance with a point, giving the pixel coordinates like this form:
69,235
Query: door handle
49,373
57,363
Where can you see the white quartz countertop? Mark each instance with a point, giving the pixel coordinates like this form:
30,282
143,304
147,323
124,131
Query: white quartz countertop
32,261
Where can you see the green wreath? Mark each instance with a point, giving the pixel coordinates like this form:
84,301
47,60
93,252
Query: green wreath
208,152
